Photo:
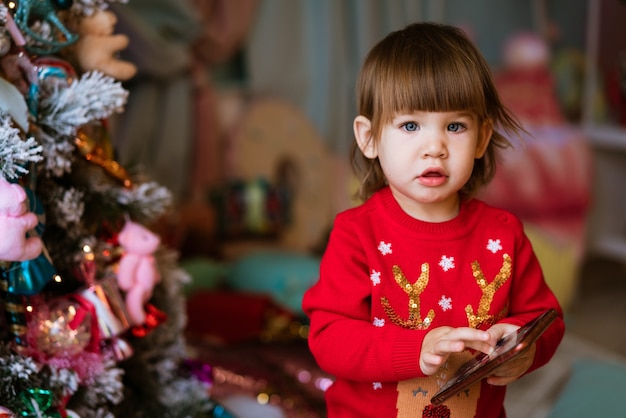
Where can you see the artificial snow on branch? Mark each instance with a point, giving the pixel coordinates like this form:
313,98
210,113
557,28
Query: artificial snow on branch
58,155
151,198
105,388
15,153
19,373
66,107
69,209
89,7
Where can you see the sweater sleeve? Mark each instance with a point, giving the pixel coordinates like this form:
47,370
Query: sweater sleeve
530,296
342,337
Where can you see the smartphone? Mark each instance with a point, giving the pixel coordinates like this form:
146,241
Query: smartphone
507,348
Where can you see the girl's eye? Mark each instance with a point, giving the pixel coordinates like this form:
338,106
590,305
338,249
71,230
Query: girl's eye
455,127
410,126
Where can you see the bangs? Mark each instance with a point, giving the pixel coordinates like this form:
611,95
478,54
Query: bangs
421,71
432,83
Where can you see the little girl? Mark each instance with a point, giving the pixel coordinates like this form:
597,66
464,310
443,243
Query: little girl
422,275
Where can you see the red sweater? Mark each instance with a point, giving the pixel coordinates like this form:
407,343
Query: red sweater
386,279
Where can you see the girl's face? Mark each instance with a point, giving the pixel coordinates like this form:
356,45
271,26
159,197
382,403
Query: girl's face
427,157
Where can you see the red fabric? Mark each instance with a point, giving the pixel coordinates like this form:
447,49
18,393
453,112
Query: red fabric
354,338
531,95
548,175
228,317
546,180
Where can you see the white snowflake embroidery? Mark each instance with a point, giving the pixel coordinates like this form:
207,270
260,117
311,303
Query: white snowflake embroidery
494,245
377,385
384,248
378,322
446,263
445,303
375,277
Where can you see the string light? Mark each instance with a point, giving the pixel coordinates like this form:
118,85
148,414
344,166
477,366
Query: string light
263,398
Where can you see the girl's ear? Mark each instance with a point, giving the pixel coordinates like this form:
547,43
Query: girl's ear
484,137
363,134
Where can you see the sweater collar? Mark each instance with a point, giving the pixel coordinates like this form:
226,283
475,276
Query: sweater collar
464,222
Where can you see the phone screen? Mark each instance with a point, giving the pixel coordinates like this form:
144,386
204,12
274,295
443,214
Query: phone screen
506,349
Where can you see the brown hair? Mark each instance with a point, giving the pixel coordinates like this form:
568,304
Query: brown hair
429,67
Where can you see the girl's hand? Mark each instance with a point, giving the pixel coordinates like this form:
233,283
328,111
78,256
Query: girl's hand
513,369
440,342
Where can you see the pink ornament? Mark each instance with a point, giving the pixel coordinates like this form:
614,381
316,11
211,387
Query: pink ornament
15,222
526,50
137,271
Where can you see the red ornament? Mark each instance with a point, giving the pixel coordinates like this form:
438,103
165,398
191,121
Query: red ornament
154,318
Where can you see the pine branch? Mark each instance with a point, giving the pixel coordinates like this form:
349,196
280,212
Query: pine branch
68,211
58,154
15,153
64,108
150,200
19,372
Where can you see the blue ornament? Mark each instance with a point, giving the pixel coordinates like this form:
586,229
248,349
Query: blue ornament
220,412
48,67
62,4
31,276
45,10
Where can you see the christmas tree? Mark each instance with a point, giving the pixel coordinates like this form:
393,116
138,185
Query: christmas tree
93,312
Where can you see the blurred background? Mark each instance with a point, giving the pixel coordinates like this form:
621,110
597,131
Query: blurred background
244,109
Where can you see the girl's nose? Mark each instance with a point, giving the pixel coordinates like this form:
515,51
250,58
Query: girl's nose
434,146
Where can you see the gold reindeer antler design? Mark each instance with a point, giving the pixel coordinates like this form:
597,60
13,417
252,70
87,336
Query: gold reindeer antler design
489,290
414,291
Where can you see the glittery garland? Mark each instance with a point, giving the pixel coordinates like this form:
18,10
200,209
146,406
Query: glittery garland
15,312
282,375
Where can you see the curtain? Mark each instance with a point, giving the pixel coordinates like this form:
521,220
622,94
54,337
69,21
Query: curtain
168,129
309,52
154,133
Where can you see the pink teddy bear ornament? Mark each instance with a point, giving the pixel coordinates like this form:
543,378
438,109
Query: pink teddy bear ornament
15,222
137,271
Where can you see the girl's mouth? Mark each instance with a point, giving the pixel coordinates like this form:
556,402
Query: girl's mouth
433,172
432,177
